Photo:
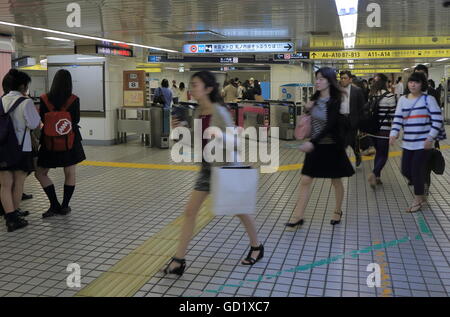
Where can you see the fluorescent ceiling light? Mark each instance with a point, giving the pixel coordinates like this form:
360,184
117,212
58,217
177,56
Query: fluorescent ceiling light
90,57
349,25
349,42
443,59
83,36
347,6
348,18
56,39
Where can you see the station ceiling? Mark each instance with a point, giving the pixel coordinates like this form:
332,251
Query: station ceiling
310,24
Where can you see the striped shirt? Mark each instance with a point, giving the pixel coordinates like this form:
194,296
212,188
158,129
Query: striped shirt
420,118
386,111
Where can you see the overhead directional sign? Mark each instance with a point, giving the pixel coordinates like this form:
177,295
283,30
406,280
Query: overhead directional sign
289,56
259,47
379,54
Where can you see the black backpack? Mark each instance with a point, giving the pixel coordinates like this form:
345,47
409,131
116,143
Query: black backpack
160,98
369,121
10,150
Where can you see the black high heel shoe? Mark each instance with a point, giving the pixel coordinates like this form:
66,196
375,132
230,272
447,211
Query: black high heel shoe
179,270
293,225
250,260
336,222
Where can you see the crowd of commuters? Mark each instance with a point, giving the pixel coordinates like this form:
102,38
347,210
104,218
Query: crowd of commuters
235,90
336,115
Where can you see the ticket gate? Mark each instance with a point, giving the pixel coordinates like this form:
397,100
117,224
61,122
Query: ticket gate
160,118
254,114
188,109
283,116
234,110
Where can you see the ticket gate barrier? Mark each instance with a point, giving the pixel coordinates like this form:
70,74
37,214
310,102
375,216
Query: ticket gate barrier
254,114
186,111
300,109
135,121
160,126
283,116
234,110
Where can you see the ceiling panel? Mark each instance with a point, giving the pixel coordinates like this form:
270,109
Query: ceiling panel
161,23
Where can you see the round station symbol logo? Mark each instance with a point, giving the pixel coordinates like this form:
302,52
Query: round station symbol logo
63,127
193,48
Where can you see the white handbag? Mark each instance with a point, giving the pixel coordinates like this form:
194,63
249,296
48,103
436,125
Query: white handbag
233,190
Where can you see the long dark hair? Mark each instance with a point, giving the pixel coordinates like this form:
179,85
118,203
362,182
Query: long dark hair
61,88
335,90
379,85
209,80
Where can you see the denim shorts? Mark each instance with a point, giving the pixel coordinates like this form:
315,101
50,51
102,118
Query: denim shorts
202,184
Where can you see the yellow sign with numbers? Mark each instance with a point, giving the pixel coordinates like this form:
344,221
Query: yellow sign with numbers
379,54
374,71
325,42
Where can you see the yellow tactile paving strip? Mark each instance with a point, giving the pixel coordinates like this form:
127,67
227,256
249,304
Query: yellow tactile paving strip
131,273
283,168
143,166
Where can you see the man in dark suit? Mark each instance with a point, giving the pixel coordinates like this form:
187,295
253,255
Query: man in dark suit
351,107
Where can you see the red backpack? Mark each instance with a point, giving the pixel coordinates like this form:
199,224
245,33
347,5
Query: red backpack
58,130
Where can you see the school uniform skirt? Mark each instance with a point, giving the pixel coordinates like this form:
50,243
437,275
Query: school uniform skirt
327,161
25,164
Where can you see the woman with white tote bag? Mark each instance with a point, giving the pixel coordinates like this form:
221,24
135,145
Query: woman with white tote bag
205,90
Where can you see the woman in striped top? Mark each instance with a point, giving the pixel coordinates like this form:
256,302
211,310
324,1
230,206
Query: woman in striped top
380,140
421,119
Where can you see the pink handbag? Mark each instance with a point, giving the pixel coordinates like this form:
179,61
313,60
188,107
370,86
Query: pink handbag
303,128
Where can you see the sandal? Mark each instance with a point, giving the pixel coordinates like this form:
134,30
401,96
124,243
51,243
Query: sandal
249,259
179,270
336,222
372,179
415,208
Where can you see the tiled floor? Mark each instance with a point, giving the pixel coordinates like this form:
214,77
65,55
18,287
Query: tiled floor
117,209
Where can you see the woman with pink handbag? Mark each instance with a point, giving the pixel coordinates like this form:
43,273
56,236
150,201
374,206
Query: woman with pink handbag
325,151
303,128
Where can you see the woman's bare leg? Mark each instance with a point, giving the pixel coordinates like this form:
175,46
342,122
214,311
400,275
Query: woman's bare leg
6,191
250,226
19,180
339,193
304,194
190,215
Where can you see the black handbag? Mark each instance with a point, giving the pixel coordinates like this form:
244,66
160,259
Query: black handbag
437,162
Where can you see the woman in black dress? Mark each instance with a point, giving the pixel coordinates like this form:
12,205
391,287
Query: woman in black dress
61,98
325,152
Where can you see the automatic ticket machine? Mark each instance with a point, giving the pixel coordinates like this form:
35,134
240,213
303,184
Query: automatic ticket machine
283,116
